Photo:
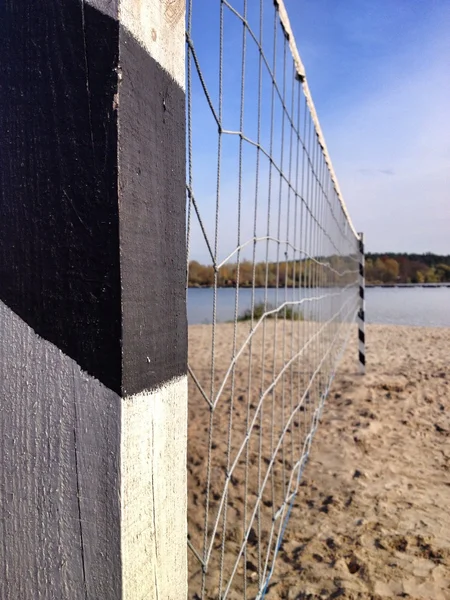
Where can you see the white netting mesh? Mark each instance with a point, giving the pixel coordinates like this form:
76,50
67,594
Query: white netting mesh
269,234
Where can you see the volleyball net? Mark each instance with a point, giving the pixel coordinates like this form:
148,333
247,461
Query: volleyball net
273,288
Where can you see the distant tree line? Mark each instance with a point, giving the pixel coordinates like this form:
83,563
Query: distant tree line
335,271
303,273
407,268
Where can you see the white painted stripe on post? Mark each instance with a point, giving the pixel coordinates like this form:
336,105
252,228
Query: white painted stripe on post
160,27
153,493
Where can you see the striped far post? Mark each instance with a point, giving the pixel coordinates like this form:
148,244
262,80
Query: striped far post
93,331
362,308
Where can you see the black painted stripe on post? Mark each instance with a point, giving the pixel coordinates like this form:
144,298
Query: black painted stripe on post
361,336
59,221
114,302
152,181
362,358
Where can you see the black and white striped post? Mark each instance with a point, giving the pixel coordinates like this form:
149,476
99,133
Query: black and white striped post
362,308
93,330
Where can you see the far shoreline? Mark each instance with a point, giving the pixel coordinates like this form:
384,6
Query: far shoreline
408,285
282,287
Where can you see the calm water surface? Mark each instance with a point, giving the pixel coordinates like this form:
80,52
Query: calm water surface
428,307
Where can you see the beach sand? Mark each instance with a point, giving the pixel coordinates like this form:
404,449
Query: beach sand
372,515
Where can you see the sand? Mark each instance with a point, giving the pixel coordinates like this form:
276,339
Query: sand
371,518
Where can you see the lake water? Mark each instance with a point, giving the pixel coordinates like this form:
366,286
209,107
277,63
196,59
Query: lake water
428,307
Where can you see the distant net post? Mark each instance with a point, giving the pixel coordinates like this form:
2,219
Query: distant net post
93,329
362,308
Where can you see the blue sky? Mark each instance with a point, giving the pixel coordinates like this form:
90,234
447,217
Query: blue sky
380,78
379,73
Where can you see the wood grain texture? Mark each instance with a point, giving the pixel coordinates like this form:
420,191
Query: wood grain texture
116,305
59,476
74,523
152,184
59,224
154,493
160,28
92,302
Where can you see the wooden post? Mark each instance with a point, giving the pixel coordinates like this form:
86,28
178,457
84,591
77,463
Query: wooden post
93,331
362,308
